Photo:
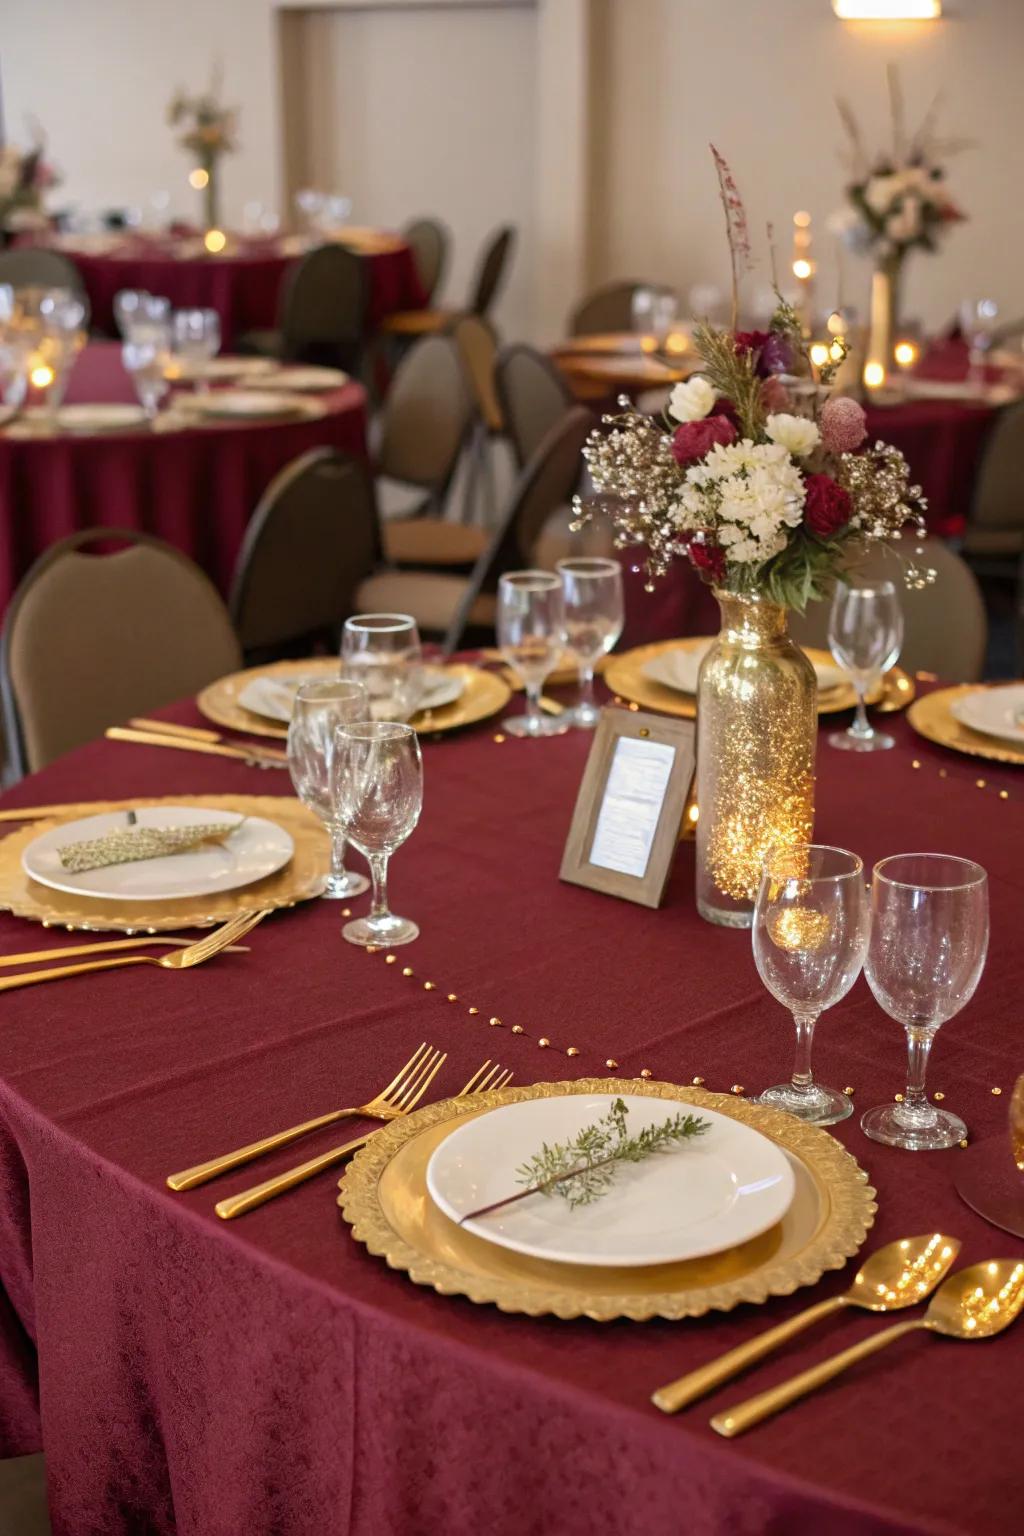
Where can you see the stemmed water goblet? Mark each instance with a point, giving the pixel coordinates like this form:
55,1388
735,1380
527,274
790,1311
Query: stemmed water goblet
146,355
929,940
320,709
196,340
810,932
530,626
377,795
383,652
978,322
865,635
593,617
134,308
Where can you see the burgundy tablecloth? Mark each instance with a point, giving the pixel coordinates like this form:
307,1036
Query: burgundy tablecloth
271,1376
243,289
197,489
943,442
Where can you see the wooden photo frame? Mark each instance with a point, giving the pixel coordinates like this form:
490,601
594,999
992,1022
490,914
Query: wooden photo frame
625,828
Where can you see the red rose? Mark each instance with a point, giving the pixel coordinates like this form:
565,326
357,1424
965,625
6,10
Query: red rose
827,507
708,559
694,439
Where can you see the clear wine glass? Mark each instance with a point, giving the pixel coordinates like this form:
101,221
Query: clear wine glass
383,652
530,627
929,940
196,341
134,307
641,307
593,617
810,932
146,358
865,634
377,792
319,711
978,321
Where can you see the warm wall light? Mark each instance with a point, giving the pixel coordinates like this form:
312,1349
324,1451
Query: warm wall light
887,10
199,178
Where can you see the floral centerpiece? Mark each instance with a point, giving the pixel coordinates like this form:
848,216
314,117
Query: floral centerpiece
25,177
766,485
208,132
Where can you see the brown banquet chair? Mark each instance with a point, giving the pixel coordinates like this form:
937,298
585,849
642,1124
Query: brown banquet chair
89,640
606,309
422,430
532,396
994,535
428,240
323,315
491,272
36,267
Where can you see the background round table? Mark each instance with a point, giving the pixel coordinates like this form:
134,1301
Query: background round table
196,487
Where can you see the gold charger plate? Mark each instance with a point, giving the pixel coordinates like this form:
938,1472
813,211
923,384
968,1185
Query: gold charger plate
384,1199
484,695
932,718
624,675
301,878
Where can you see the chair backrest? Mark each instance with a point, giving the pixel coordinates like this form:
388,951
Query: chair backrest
492,269
477,341
429,241
313,538
90,640
36,267
532,396
323,312
998,501
547,483
426,415
945,627
606,309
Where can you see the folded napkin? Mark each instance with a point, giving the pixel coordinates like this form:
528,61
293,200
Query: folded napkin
274,697
127,845
678,669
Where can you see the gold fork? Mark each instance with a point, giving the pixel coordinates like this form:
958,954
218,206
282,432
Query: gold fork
485,1077
386,1105
181,960
71,951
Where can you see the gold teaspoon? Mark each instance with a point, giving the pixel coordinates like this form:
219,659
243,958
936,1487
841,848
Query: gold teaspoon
975,1303
899,1275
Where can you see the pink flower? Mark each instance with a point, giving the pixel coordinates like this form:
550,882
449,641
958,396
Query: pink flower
694,439
844,425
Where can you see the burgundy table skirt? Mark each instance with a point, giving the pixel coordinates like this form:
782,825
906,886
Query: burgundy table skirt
244,289
271,1376
195,488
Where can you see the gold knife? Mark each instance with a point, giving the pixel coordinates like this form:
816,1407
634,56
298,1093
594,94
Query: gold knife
255,757
194,733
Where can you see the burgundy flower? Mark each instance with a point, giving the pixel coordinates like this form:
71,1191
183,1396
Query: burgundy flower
827,506
775,397
844,425
725,408
773,354
708,560
694,439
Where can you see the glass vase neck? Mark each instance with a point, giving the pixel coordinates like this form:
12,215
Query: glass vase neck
748,619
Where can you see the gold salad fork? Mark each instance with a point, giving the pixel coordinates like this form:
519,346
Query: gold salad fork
485,1077
181,960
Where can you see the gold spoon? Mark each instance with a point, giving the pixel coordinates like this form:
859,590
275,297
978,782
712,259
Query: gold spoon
899,1275
975,1303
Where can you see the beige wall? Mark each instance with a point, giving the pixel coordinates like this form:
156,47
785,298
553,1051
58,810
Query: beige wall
612,178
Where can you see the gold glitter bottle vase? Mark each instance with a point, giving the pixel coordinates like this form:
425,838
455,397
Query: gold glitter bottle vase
757,727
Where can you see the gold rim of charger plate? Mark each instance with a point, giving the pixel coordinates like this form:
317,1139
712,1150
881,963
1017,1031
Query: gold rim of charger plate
932,717
301,879
384,1199
484,695
624,675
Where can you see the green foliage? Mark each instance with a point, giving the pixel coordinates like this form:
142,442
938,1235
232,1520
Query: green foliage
804,571
732,374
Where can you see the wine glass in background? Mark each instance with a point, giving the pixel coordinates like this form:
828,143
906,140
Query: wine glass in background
530,625
196,340
593,617
929,940
810,932
309,205
979,319
664,315
134,307
377,793
641,308
383,652
320,709
146,356
865,634
160,208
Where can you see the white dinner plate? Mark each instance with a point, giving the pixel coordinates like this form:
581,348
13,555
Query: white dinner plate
243,405
309,378
100,418
699,1197
678,669
227,367
995,711
257,849
273,697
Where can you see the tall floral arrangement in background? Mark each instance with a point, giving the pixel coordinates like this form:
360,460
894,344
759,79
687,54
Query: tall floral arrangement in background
208,132
25,178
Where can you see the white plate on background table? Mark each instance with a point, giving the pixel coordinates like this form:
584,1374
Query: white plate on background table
217,368
698,1197
242,405
996,711
309,378
101,417
273,697
257,849
678,669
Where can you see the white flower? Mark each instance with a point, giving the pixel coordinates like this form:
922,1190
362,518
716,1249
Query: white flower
795,433
905,225
691,401
881,191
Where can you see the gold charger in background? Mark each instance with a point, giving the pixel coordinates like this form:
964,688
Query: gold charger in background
624,675
483,695
301,879
932,718
384,1199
